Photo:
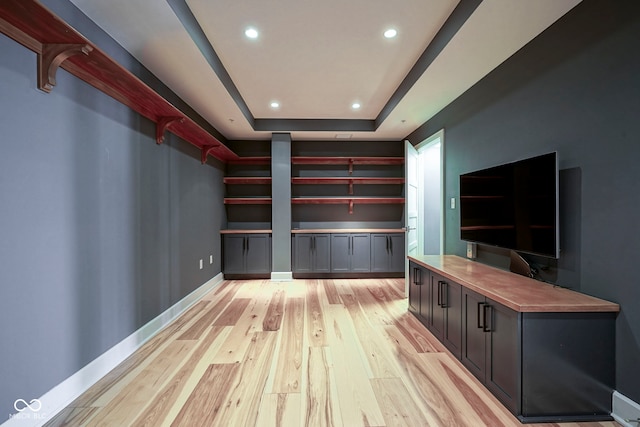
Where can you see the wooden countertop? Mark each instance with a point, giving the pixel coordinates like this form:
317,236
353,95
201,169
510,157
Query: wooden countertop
245,231
514,291
347,230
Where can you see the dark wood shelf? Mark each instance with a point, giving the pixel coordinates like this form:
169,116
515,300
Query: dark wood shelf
351,201
247,200
247,180
57,44
339,180
347,181
253,160
324,160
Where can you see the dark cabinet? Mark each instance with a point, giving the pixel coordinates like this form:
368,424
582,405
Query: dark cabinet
312,253
544,366
491,346
350,253
416,281
445,320
247,254
387,253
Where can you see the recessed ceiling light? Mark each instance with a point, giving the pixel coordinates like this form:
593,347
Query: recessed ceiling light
275,104
390,33
252,33
355,105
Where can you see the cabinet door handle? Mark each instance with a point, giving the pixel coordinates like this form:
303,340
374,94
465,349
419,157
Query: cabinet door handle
418,276
439,293
247,243
481,306
487,316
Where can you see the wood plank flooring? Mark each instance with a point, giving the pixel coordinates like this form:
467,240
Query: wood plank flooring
285,354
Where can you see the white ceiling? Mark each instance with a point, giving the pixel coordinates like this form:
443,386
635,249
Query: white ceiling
318,57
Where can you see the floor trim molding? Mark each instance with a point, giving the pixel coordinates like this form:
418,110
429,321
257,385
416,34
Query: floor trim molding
59,397
281,276
625,409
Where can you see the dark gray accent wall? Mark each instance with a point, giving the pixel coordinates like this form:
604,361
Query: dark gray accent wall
101,230
575,89
281,202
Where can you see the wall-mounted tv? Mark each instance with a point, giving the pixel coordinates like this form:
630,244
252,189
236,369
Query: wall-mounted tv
513,206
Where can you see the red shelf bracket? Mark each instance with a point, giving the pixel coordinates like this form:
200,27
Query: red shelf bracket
54,54
350,207
205,151
162,125
350,166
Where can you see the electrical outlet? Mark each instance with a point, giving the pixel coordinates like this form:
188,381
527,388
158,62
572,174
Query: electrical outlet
210,259
201,265
453,203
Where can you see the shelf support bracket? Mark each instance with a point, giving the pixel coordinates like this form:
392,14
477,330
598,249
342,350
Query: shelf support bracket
52,56
350,207
350,166
162,125
205,151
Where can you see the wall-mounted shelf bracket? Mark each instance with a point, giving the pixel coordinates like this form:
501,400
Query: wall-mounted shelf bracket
162,125
205,151
53,54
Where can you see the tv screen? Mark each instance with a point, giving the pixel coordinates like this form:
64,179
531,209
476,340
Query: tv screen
513,206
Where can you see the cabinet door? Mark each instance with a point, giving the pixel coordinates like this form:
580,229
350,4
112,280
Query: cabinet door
452,301
503,354
437,313
425,296
396,252
340,252
233,253
302,253
380,253
258,254
321,253
473,335
415,285
360,253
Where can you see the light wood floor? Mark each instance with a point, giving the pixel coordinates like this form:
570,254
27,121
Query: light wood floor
302,353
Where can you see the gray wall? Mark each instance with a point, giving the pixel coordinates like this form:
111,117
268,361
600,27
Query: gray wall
575,90
100,229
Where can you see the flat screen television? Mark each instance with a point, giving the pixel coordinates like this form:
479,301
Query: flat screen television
513,206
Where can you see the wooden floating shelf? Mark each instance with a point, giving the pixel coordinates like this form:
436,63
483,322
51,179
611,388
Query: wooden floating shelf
348,181
351,201
247,180
317,160
247,200
350,161
57,44
338,180
253,160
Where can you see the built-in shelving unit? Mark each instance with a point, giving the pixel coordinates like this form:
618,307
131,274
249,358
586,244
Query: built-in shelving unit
349,180
58,45
248,192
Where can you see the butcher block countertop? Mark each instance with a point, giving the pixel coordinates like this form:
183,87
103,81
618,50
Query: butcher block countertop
514,291
245,231
346,230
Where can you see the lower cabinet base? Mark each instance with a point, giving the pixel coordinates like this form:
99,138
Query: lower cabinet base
565,419
347,275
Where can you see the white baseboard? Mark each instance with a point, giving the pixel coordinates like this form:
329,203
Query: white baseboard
625,410
281,276
59,397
